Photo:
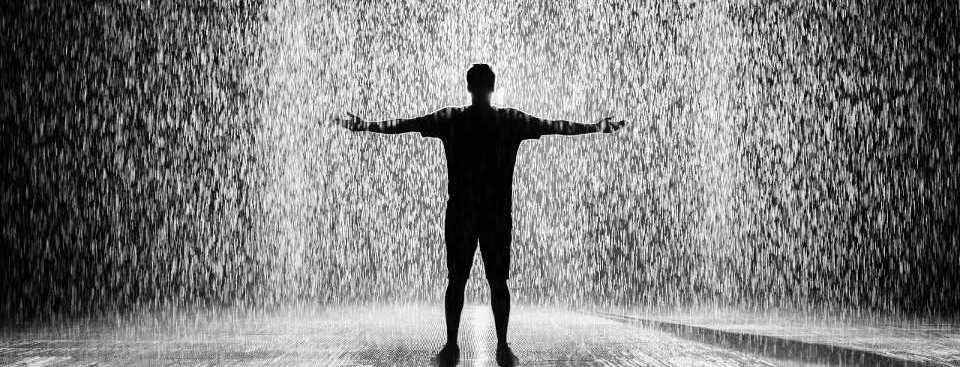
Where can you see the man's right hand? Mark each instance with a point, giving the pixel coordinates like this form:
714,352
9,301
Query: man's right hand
609,125
350,121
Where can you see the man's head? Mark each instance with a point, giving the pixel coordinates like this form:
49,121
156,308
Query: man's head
481,81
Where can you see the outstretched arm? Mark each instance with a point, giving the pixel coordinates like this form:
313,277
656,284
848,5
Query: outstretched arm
535,127
563,127
423,124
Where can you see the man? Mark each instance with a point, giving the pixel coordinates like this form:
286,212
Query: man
481,143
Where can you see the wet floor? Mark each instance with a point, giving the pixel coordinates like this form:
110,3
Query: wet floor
358,336
896,340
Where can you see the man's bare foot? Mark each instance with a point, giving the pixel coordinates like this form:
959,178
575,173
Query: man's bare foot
505,356
448,356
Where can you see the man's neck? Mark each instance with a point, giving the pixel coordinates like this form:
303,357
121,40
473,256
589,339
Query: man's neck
481,103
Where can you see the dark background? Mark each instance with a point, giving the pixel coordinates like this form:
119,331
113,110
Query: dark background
150,158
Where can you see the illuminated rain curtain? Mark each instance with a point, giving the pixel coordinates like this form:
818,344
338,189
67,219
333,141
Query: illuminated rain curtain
133,173
798,154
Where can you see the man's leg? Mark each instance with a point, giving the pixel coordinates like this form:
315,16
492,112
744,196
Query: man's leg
500,302
453,306
495,249
461,240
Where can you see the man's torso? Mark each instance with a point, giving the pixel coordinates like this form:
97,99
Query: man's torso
481,147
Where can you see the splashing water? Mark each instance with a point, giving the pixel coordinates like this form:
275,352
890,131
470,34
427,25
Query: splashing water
780,154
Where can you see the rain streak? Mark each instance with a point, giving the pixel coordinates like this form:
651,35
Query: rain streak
177,154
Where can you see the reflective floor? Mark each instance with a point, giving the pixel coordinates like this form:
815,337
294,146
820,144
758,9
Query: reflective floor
897,340
360,336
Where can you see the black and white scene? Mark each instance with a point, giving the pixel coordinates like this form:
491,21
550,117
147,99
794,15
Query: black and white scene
369,183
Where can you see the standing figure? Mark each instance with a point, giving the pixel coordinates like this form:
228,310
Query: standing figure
481,143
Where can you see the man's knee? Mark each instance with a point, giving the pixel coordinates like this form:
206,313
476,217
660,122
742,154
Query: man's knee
498,286
457,282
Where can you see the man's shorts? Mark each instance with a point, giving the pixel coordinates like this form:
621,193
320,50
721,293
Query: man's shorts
464,229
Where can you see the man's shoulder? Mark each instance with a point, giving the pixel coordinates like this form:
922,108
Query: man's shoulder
450,112
454,109
507,110
510,113
447,110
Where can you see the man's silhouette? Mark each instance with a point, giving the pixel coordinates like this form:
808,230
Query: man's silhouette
481,143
